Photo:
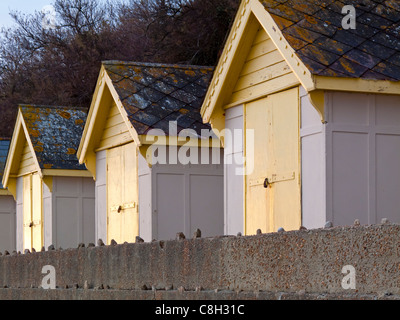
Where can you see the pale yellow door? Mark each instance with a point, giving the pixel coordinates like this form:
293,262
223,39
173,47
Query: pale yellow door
122,194
32,212
273,194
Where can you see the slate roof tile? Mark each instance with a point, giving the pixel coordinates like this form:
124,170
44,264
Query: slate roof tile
350,68
362,58
55,133
4,146
376,49
154,94
371,50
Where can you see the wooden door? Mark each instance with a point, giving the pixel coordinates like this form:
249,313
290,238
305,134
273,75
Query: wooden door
122,194
32,212
273,187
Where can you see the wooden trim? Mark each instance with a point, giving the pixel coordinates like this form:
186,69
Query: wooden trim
268,90
35,160
178,141
230,50
272,29
67,173
357,85
91,119
5,192
122,110
19,125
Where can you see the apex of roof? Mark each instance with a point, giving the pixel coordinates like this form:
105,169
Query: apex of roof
55,133
155,94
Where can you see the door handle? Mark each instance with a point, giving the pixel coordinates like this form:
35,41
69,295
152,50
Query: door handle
266,183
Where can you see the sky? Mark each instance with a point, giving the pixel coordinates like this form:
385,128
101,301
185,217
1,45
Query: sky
25,6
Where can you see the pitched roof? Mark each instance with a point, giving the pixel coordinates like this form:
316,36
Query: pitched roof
314,29
4,146
155,94
55,133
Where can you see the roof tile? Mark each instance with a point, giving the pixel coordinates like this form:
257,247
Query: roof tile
55,133
362,58
351,53
350,68
157,93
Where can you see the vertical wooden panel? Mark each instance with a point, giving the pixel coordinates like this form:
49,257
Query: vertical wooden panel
284,155
233,185
122,191
20,215
114,193
37,212
145,199
101,196
257,198
27,211
7,223
130,217
275,121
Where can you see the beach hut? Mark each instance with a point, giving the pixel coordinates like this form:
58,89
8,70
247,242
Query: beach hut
54,194
314,88
7,205
158,168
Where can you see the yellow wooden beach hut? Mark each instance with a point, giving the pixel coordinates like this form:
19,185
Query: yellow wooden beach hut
319,108
7,205
54,194
128,127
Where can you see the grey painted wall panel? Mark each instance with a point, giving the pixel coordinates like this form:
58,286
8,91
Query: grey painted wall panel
206,205
7,223
74,211
145,200
313,175
363,153
170,205
48,216
233,183
173,200
101,196
20,216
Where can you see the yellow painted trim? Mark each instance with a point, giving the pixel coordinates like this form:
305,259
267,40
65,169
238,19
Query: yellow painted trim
92,116
17,135
289,85
67,173
12,150
25,173
147,156
317,99
122,110
177,141
230,50
12,187
5,192
289,54
38,170
357,85
90,163
48,181
217,121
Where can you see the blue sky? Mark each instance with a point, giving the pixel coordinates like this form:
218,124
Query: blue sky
25,6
